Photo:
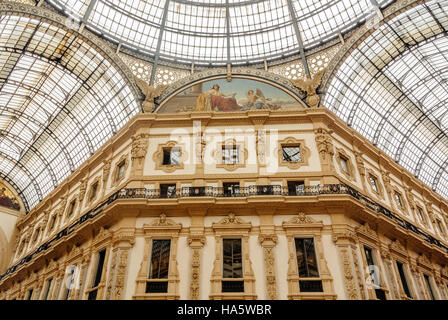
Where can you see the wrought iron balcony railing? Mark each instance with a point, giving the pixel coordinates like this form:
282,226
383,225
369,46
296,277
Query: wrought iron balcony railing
274,190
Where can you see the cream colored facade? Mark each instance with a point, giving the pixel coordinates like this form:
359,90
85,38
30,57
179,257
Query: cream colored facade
339,210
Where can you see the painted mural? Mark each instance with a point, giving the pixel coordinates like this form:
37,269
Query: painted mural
237,95
7,198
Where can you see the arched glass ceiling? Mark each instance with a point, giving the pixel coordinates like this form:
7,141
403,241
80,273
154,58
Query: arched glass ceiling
393,89
60,100
219,31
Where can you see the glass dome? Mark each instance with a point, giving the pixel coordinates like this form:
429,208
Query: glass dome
217,32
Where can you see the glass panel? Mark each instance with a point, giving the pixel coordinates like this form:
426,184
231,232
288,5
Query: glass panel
99,268
291,154
47,290
232,258
230,155
160,259
429,287
373,183
404,282
120,171
306,258
344,164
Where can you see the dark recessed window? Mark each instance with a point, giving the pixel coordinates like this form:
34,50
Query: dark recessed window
306,258
159,268
71,208
374,183
160,259
439,225
231,188
232,258
47,290
167,190
230,155
98,274
93,190
291,153
296,188
171,156
52,222
69,282
373,269
120,170
344,164
420,214
399,199
404,282
30,294
429,287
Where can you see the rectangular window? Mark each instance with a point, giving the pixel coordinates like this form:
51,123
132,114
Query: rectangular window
160,261
231,188
69,282
399,199
291,153
296,188
93,190
30,294
306,258
374,273
420,213
232,258
120,170
232,266
171,156
167,190
230,155
439,225
71,209
374,183
47,290
344,164
98,274
428,285
404,282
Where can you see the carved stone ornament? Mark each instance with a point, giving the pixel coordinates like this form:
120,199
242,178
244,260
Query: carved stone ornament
424,260
324,143
367,231
231,219
397,246
163,221
301,218
139,146
106,170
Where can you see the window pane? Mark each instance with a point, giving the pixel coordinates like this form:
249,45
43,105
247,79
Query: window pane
230,155
403,279
232,258
373,183
160,259
428,284
99,268
291,154
344,164
306,258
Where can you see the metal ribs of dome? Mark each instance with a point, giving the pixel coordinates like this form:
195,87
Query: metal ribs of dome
218,32
61,98
393,89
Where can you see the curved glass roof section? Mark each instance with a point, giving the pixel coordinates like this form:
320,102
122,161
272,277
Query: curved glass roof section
393,89
60,100
217,32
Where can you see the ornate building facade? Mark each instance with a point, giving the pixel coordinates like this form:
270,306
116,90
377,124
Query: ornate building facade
218,183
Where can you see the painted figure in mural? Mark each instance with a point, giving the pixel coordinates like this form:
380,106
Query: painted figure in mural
215,100
7,200
256,100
